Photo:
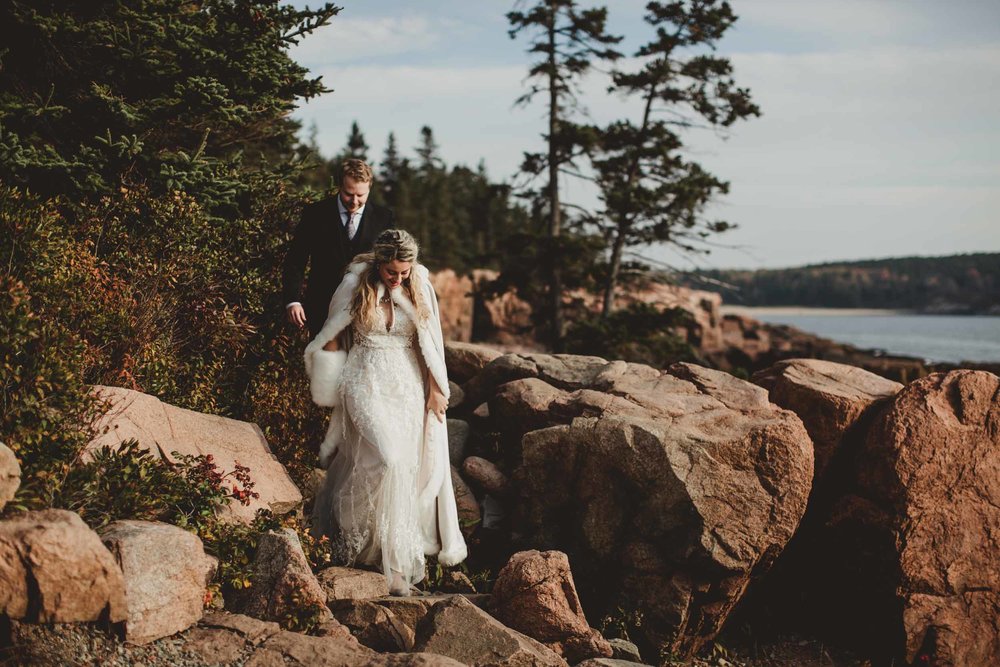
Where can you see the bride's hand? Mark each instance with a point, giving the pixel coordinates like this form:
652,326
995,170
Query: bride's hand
437,404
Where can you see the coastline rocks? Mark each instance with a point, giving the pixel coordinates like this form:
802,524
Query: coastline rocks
162,429
828,397
460,630
667,491
534,594
166,573
282,583
54,569
10,475
931,467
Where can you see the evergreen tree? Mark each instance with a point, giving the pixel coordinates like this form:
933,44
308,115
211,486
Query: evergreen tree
567,39
389,174
356,146
180,96
435,226
649,191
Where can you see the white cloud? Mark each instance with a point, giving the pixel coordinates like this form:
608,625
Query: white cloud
347,39
848,21
867,152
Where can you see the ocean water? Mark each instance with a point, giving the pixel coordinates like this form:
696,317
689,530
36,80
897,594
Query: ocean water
947,338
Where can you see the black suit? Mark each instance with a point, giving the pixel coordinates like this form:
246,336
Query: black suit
320,241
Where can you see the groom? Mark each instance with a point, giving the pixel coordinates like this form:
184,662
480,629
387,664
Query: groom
329,234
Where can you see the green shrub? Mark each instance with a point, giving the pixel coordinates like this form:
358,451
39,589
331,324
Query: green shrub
45,408
640,333
129,482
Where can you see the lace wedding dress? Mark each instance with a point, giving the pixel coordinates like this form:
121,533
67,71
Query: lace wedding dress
388,499
371,485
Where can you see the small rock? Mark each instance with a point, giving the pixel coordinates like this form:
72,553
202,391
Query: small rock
622,649
469,516
458,438
457,396
457,582
345,583
486,474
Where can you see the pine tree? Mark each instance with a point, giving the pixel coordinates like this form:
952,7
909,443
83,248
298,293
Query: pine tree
567,39
178,96
356,146
649,191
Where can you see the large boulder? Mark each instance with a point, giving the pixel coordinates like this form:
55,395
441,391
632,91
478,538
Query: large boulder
534,593
54,569
829,398
10,475
460,630
669,489
283,586
465,360
163,429
166,573
930,468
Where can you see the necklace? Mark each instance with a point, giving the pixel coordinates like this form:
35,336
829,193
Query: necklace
385,299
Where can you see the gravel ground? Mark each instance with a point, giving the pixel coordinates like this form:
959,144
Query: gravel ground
79,645
85,645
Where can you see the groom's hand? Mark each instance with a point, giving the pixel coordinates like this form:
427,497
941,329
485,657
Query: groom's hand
297,315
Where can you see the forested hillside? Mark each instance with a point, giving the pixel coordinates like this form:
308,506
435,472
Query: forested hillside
953,284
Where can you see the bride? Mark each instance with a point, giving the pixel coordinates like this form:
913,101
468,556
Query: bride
378,362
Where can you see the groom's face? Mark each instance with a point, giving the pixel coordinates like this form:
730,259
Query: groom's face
354,193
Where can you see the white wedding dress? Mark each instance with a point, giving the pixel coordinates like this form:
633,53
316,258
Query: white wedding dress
372,482
388,499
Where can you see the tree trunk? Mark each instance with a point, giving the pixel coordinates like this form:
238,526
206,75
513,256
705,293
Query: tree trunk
555,212
613,270
624,224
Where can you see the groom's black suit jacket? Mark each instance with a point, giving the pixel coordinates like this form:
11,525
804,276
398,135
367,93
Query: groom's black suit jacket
320,241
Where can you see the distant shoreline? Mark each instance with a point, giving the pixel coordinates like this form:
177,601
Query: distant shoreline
806,310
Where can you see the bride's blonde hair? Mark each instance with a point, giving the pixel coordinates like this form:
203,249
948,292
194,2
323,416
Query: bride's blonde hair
392,244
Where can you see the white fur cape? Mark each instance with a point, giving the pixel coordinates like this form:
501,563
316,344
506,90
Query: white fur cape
436,496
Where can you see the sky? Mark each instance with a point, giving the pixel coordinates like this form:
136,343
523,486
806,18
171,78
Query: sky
880,133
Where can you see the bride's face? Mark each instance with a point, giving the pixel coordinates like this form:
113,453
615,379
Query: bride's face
394,273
